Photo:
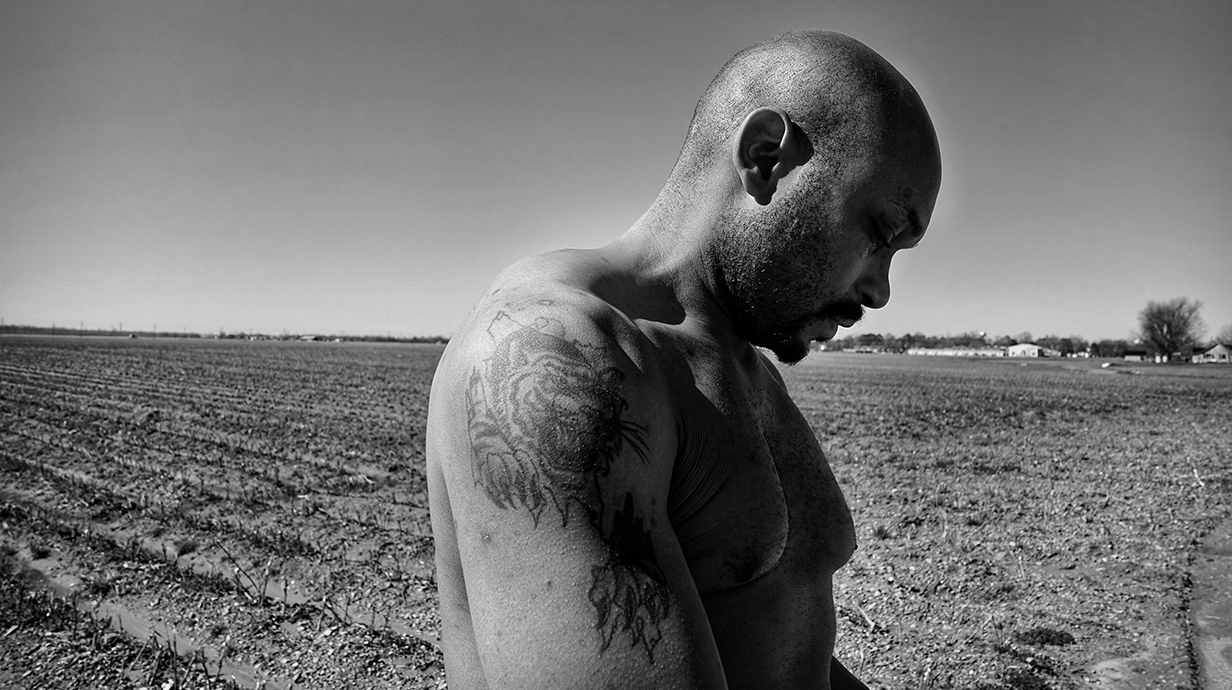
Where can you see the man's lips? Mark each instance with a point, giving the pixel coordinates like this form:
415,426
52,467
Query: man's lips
846,313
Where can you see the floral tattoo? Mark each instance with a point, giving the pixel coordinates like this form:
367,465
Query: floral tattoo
546,428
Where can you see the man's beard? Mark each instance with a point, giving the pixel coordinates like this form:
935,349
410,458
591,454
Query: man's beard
767,283
786,341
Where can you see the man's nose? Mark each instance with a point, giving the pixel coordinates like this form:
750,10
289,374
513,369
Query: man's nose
874,285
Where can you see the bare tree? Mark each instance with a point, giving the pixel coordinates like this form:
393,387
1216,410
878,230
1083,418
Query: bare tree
1225,336
1171,326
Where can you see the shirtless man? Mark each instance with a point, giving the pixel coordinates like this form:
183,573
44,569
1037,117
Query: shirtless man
623,495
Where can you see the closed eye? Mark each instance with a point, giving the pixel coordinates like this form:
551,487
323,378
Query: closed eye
883,236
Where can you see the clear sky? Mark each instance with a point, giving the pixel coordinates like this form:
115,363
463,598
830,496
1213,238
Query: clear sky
368,167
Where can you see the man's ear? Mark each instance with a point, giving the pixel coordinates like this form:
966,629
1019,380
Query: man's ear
768,146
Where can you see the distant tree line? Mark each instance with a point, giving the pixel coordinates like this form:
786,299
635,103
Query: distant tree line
1172,327
1066,345
17,329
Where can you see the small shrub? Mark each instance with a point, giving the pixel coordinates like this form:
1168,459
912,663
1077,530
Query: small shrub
98,587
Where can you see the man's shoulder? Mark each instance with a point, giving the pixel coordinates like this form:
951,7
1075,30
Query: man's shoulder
539,328
544,302
541,357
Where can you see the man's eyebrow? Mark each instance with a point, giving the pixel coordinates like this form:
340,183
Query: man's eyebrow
917,228
909,237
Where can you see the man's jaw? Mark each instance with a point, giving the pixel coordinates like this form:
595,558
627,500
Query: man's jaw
819,330
791,344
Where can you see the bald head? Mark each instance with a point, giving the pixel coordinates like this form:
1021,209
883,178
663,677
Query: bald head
809,163
849,102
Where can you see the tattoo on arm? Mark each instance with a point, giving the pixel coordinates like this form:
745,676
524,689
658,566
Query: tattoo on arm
629,591
546,427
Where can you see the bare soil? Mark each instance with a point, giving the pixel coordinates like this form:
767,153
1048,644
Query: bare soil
205,514
260,507
1021,524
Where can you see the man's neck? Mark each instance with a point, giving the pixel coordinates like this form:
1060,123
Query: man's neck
669,251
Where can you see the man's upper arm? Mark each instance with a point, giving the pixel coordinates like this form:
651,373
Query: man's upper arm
573,575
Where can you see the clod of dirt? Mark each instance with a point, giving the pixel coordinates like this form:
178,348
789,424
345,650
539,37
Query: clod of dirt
145,416
1044,636
1022,679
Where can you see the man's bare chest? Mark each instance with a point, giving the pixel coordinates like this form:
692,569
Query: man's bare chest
752,492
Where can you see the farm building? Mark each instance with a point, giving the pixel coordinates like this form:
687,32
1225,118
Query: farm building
1135,354
1218,354
1025,350
957,351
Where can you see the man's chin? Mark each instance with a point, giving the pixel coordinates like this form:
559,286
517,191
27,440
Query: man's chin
792,344
790,347
791,358
791,352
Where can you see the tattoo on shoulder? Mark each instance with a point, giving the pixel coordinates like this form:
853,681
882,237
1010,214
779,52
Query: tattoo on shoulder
547,424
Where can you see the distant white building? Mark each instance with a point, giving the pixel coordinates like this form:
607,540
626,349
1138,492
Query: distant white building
1025,350
957,351
1218,354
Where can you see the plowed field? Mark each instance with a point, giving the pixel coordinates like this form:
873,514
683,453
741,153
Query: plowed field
260,505
1022,524
216,512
